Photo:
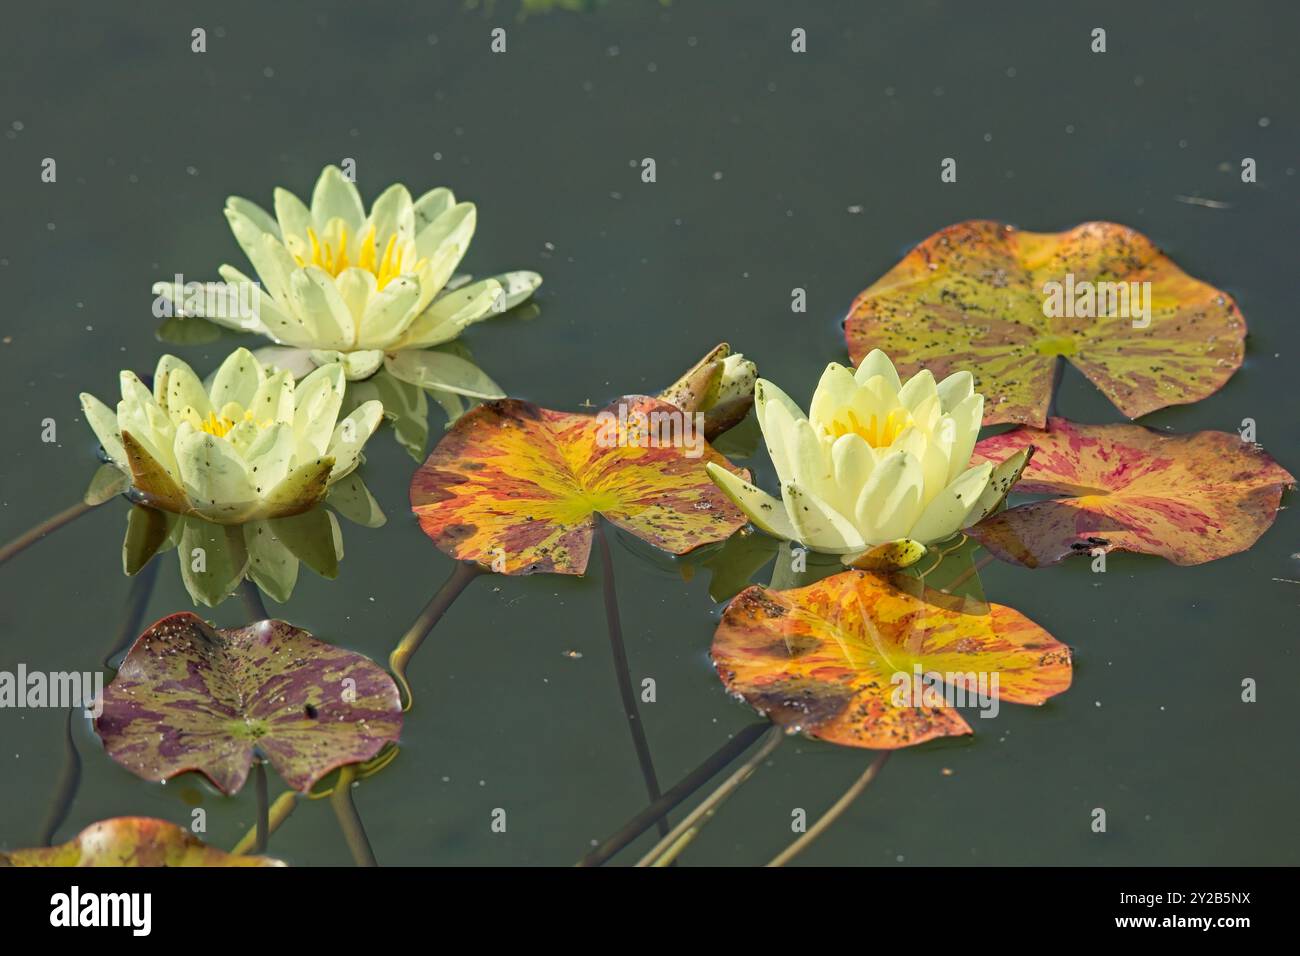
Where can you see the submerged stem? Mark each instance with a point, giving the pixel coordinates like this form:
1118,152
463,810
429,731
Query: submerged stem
622,670
349,820
461,575
50,524
263,825
657,810
969,573
831,815
69,780
667,849
137,602
280,810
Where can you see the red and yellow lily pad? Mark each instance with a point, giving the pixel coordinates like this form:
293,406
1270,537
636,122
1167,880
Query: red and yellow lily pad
189,696
974,296
1188,498
517,488
132,841
848,659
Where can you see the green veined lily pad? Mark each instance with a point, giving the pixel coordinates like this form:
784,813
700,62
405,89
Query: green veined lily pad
189,696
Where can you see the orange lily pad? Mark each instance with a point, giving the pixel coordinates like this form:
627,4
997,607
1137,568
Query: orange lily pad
974,296
517,488
848,659
132,841
1188,498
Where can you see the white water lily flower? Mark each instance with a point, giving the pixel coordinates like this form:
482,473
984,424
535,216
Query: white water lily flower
874,461
360,291
254,446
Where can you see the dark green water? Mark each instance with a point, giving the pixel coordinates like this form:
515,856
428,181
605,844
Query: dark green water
762,157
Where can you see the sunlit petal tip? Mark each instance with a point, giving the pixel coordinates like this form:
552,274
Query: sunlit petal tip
877,363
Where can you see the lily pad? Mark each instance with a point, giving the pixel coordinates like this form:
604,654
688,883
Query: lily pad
846,660
973,296
132,841
1188,498
517,488
189,696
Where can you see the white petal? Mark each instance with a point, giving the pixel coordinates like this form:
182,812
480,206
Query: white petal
393,213
449,234
955,389
357,287
817,524
518,286
322,309
176,388
133,389
271,565
451,313
778,434
432,205
389,313
317,399
103,422
810,460
835,392
269,457
890,501
227,304
351,435
297,362
852,462
255,214
336,198
766,392
878,363
292,214
237,380
945,515
273,400
134,417
274,317
357,366
271,261
918,388
214,476
767,513
966,419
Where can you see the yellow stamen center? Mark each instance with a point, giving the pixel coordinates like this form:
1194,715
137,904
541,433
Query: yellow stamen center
875,432
330,253
220,425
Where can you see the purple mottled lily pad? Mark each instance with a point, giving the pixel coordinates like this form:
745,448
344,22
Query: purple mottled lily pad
193,697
